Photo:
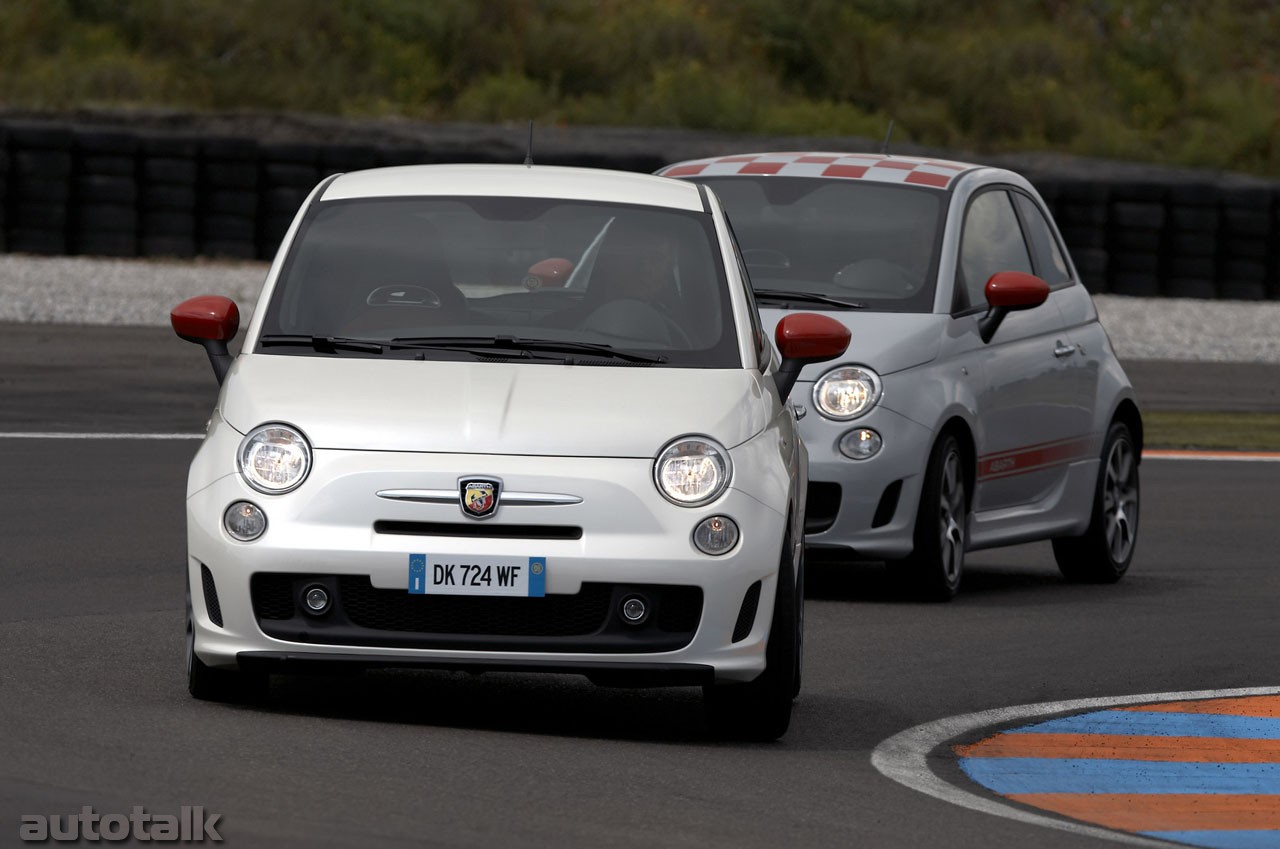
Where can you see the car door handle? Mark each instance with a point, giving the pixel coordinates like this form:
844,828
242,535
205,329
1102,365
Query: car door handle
1061,350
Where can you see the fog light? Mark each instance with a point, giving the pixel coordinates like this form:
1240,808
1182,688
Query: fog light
715,535
861,444
634,610
244,521
316,599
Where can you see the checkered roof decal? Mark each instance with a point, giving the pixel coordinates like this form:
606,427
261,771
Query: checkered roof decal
935,173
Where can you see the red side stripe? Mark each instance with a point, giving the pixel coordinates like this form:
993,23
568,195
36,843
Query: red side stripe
1022,448
1033,459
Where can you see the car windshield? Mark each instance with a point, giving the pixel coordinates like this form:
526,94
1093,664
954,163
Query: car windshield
500,278
869,245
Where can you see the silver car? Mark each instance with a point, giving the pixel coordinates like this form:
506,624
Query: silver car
980,403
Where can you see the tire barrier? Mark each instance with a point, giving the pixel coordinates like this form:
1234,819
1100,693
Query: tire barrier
90,189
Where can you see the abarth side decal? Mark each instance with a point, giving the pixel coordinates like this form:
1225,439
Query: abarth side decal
1034,458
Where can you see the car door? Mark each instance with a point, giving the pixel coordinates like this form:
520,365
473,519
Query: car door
1028,399
1085,339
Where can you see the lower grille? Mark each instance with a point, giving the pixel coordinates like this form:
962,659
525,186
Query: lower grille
273,596
821,506
363,614
552,616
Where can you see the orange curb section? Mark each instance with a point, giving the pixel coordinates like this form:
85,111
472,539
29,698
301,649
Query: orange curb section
1210,455
1173,812
1260,706
1125,748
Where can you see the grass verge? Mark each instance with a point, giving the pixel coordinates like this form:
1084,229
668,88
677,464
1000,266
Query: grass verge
1212,431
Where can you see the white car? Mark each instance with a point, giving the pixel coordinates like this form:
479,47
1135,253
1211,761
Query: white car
504,418
980,403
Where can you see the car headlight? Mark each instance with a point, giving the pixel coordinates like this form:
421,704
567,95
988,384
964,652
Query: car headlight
274,458
847,392
692,470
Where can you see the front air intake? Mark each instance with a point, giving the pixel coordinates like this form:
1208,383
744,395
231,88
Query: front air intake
210,596
747,613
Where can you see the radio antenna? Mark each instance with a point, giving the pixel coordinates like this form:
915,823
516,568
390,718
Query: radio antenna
528,151
884,148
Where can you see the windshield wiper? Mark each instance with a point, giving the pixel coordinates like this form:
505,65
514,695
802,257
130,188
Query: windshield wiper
323,344
784,296
524,346
480,346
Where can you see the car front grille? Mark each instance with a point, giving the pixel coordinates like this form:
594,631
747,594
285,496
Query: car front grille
588,620
551,616
822,507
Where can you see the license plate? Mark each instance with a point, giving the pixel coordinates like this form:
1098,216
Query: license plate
431,574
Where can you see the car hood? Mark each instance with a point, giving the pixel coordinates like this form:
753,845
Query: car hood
885,341
492,408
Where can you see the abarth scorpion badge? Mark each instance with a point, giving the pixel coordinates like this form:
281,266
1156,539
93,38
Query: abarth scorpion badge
479,497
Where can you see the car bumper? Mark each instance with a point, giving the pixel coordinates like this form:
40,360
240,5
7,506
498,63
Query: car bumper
864,509
335,532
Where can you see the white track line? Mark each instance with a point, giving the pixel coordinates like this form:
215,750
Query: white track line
904,757
101,435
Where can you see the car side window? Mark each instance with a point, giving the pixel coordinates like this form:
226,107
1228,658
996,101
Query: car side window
991,242
1050,264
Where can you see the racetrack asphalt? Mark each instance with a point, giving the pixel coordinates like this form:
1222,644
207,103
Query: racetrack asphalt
93,708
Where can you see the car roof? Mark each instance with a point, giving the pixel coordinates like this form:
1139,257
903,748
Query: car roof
536,181
876,167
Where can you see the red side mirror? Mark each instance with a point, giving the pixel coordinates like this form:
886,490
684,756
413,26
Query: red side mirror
1015,290
206,317
553,272
811,337
1006,292
804,338
210,321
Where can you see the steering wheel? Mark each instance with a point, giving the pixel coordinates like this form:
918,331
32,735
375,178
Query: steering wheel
877,275
411,296
627,318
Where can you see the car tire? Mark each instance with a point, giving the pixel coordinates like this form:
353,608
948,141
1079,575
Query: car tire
799,603
760,710
218,685
1101,555
935,566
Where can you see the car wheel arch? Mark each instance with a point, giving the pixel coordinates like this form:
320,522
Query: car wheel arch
1127,412
959,428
